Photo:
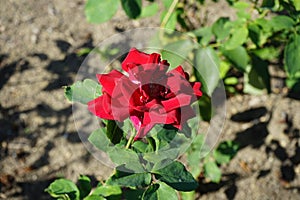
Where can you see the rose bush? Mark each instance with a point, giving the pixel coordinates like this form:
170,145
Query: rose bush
148,94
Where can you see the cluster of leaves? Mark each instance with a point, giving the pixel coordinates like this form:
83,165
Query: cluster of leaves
145,169
241,49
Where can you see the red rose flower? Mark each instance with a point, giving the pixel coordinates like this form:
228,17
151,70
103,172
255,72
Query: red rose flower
148,95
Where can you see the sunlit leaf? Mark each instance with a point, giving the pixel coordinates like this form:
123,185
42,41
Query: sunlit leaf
212,171
100,11
291,55
176,176
207,68
83,92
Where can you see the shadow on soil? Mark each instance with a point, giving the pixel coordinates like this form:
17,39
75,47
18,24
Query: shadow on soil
254,137
13,128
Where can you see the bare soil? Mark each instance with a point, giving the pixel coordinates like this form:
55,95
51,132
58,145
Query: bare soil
39,142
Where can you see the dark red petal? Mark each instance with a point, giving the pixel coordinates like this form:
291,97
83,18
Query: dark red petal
101,107
136,57
177,102
178,84
109,81
154,58
196,87
179,70
120,109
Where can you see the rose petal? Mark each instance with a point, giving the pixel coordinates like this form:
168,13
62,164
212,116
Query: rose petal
136,57
196,87
109,81
177,102
179,70
101,107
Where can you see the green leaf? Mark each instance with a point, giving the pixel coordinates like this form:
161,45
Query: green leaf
159,191
114,132
94,197
140,146
291,55
293,84
62,188
151,193
84,185
237,37
204,35
268,3
165,137
212,171
171,23
133,194
296,4
188,195
162,156
132,8
205,107
127,157
195,154
231,80
267,53
99,139
225,152
100,11
281,22
220,30
176,176
107,190
127,179
255,34
149,10
207,69
177,52
238,57
83,92
224,68
167,3
258,79
242,10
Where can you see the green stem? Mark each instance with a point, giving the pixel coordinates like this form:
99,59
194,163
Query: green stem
169,13
167,17
130,139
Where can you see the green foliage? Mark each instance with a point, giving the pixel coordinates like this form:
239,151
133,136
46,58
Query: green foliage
84,186
176,176
207,65
107,190
212,171
291,55
177,52
238,57
83,91
132,8
127,179
63,189
100,11
114,132
159,191
225,152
